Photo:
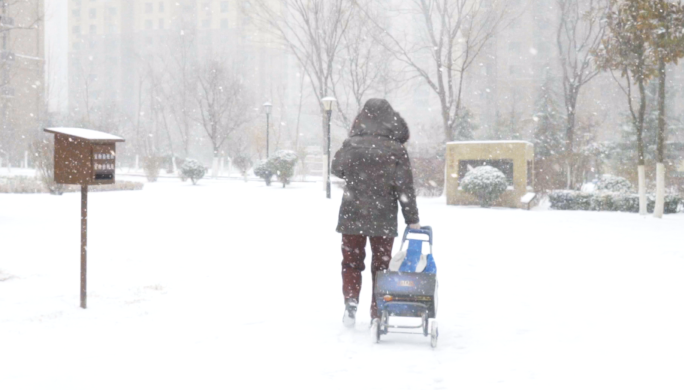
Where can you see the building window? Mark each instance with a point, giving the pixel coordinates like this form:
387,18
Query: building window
206,23
161,6
93,13
513,70
76,13
77,45
514,47
205,7
112,11
76,30
148,24
224,23
93,29
224,6
110,28
148,8
161,24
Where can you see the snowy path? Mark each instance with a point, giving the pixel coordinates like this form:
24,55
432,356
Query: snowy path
234,285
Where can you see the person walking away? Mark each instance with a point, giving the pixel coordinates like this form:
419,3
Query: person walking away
377,172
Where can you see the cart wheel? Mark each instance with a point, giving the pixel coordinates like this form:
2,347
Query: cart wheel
426,328
384,322
434,333
375,330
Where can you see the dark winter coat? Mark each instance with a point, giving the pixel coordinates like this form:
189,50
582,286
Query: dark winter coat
376,169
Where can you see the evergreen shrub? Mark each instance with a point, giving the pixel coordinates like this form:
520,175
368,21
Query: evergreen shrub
152,165
193,170
485,183
608,201
614,184
283,164
264,170
242,163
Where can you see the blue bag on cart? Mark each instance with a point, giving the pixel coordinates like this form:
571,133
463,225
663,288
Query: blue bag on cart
413,259
411,277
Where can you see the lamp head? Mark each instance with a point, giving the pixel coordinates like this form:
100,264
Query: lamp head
267,108
328,102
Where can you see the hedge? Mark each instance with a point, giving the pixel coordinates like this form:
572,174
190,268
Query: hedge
608,201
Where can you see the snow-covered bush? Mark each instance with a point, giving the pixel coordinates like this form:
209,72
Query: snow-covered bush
152,165
283,164
242,163
23,185
193,170
43,151
608,201
485,183
614,184
32,185
570,200
264,170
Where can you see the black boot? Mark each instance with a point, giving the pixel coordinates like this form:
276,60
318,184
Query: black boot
349,318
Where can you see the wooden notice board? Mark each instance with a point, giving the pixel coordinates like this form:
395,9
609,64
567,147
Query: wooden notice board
84,157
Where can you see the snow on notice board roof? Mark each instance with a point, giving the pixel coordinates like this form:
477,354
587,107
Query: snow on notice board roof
91,135
490,142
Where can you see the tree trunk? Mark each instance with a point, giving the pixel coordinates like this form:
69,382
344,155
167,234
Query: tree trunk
642,189
569,138
640,148
660,147
215,164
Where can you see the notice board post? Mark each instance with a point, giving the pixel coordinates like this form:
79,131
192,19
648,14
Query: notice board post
84,157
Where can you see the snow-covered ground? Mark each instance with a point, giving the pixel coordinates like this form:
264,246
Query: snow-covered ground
232,285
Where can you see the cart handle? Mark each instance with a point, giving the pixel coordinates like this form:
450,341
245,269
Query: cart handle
426,230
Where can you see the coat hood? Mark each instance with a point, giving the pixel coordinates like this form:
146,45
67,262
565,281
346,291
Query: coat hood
378,118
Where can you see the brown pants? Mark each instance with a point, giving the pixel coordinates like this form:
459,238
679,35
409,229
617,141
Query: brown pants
353,255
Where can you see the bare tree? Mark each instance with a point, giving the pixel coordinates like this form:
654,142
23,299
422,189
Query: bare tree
181,69
580,30
453,33
313,31
158,118
365,66
223,105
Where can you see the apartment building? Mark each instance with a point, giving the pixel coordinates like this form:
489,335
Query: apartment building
21,77
113,42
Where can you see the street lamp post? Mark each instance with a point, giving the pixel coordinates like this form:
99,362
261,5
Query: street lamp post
328,103
267,108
